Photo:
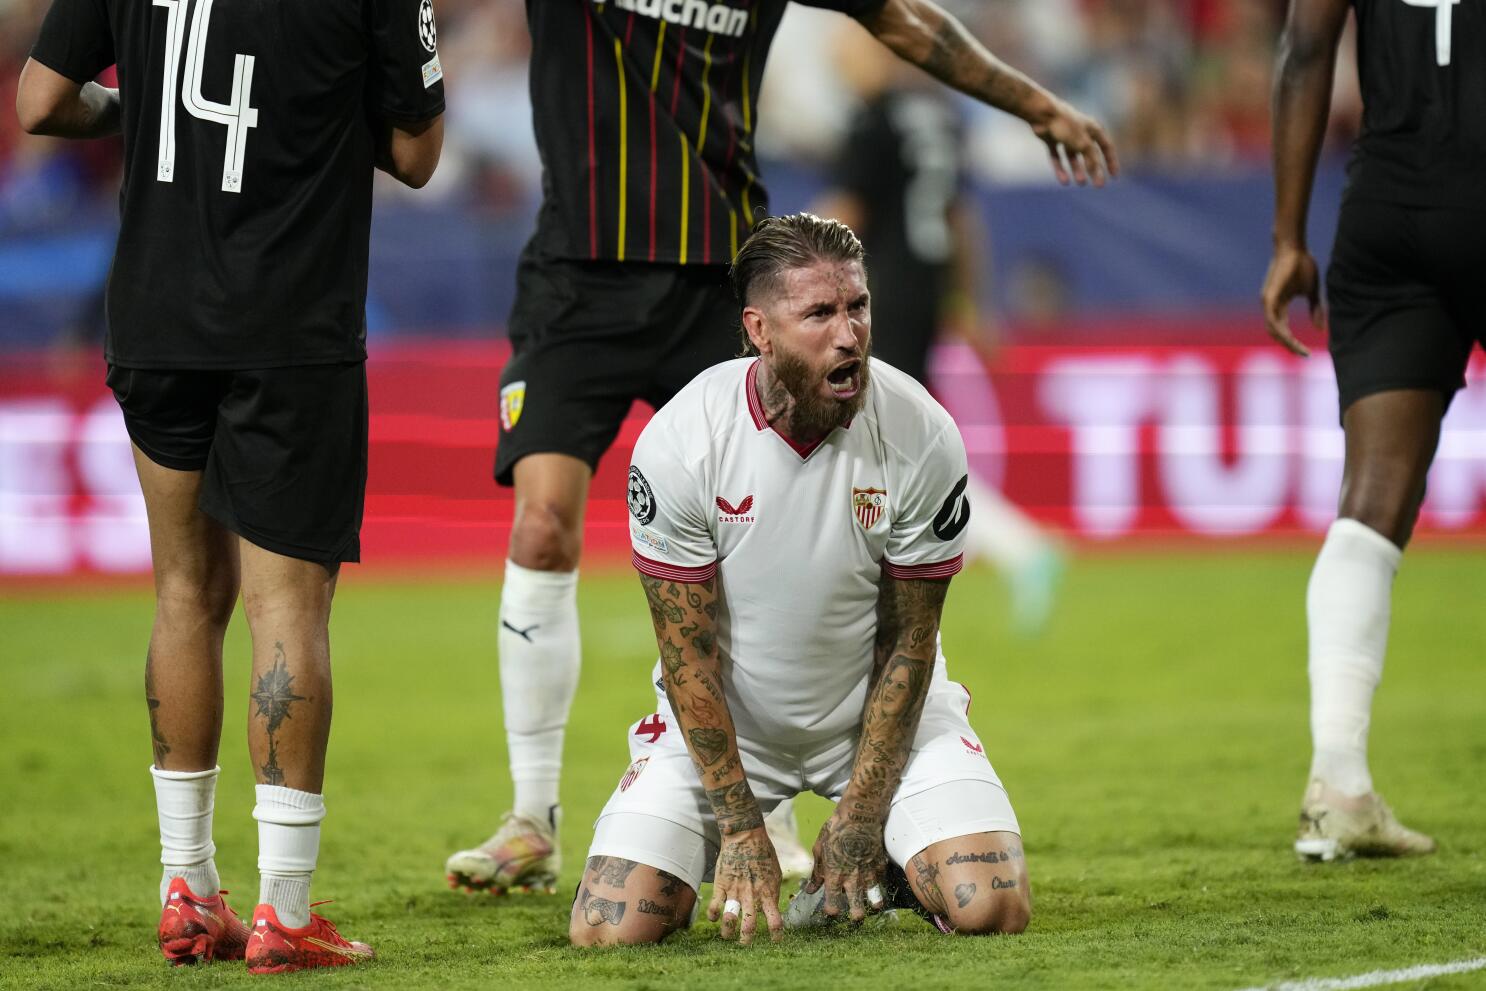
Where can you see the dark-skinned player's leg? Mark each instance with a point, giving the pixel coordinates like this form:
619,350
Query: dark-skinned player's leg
623,903
287,604
977,884
196,578
1391,437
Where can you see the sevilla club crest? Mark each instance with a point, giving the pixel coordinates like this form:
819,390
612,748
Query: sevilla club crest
633,773
868,505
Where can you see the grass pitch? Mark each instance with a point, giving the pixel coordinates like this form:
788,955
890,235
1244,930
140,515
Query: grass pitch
1154,743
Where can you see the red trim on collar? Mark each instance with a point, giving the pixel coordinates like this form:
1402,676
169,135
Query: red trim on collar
750,386
761,422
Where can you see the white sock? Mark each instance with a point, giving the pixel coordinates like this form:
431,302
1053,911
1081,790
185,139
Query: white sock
999,531
288,847
184,801
539,661
1347,608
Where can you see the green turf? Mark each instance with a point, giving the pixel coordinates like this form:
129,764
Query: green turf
1154,743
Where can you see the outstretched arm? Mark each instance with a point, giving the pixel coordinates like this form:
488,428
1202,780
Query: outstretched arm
685,619
849,855
922,32
1302,102
49,103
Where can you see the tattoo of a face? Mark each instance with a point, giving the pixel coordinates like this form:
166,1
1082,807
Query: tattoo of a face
157,739
613,871
965,892
273,698
599,911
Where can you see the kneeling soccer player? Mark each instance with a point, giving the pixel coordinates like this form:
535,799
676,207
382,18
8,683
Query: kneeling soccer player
796,519
237,351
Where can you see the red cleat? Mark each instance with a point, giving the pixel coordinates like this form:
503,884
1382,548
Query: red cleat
193,930
274,948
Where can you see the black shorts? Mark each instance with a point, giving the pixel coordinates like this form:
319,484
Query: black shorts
1407,293
283,449
590,337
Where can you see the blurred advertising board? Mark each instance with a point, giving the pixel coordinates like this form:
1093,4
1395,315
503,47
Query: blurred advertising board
1195,430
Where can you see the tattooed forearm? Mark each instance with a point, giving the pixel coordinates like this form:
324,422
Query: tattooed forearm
903,664
735,807
684,617
945,48
273,699
708,744
157,738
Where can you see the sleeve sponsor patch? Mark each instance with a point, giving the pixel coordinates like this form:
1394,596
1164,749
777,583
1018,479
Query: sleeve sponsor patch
433,71
650,539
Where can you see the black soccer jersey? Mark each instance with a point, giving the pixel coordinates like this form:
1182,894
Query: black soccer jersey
903,161
645,113
248,133
1423,69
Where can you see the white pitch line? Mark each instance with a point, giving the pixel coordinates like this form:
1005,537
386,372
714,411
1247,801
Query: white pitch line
1377,978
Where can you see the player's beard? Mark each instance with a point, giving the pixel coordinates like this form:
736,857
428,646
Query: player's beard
815,415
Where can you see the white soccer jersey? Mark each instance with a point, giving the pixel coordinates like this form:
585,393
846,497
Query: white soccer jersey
798,538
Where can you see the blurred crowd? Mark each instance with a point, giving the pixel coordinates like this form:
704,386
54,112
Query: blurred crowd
1183,85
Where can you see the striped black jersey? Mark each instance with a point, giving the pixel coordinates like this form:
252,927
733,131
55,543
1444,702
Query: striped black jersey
249,132
645,112
1423,71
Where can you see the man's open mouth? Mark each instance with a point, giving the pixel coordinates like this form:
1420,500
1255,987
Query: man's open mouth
844,378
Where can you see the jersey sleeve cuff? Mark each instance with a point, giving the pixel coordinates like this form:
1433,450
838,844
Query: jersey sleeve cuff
402,115
673,572
80,76
940,569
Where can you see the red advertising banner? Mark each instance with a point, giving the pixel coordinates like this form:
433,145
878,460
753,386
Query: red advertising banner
1120,440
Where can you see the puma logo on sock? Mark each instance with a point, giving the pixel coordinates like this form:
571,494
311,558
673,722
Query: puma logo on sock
523,634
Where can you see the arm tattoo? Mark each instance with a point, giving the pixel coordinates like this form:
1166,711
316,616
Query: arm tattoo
955,57
273,698
684,618
735,808
157,738
902,666
709,744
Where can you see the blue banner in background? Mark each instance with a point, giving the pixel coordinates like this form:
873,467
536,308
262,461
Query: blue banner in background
1144,245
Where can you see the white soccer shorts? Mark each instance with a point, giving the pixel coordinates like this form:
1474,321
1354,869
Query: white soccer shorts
659,814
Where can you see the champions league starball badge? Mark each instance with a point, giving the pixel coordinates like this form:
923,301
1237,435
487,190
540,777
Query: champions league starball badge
641,499
427,33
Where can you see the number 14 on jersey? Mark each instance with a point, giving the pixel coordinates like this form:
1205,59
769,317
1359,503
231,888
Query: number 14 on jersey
237,116
1444,22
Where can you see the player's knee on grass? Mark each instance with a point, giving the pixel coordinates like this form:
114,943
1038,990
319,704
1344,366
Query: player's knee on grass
624,903
977,883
